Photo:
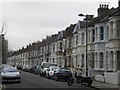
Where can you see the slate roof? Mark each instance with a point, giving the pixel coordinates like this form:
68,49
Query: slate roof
69,30
105,16
61,35
54,38
79,24
48,40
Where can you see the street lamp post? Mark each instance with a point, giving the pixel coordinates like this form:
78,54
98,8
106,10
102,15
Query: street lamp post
81,15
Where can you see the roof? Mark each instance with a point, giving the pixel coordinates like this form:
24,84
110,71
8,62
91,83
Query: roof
79,24
69,30
105,16
61,35
54,38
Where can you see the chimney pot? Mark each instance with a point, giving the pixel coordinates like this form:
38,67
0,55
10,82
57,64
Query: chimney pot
119,3
102,5
107,6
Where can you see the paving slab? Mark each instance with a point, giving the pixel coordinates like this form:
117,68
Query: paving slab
101,85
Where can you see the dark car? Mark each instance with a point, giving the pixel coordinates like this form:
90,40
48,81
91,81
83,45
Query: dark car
32,69
19,67
62,73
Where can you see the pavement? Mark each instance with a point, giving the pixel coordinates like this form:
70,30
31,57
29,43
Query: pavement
102,85
106,86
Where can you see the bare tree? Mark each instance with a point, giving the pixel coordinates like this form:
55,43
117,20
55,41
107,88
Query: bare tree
4,27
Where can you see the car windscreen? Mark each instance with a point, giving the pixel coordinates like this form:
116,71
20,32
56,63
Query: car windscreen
5,66
53,69
65,70
10,70
47,65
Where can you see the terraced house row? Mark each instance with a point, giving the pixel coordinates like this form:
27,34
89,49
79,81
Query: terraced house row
68,47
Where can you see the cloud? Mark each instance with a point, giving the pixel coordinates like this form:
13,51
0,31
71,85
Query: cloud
32,21
56,0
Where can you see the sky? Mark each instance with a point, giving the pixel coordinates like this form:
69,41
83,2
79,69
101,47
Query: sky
32,20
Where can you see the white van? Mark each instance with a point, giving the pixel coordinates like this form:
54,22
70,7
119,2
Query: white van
45,66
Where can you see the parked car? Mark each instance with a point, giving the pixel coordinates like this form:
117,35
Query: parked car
29,68
37,70
32,69
19,67
5,65
26,68
50,71
62,73
10,74
45,66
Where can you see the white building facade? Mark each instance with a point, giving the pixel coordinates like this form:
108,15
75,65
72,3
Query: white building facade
68,48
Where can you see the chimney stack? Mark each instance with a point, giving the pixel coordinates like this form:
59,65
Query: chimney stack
118,3
89,17
103,8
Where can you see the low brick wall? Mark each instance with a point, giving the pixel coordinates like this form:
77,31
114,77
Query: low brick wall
112,78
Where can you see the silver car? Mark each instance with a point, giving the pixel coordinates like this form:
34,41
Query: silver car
10,74
4,66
